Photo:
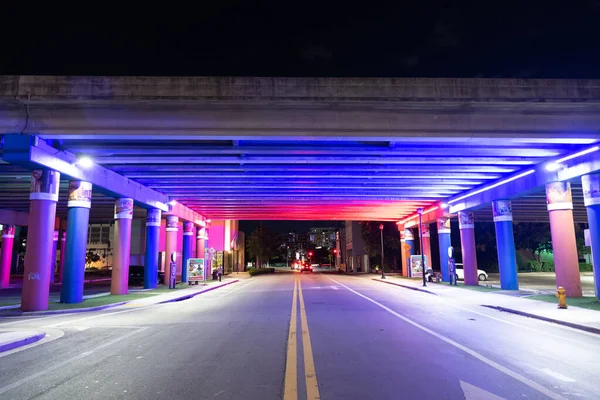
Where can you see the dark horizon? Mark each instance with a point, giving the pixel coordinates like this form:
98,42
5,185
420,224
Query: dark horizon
429,39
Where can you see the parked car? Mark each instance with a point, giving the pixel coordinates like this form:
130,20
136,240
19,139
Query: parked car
481,275
136,275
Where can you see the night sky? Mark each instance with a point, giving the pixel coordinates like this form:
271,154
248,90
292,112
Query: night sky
420,38
504,39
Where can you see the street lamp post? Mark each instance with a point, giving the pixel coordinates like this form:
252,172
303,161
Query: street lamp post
420,212
382,268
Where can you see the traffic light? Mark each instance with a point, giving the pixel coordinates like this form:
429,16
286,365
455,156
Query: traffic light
310,253
334,251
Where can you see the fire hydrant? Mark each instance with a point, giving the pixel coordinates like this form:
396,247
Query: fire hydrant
562,297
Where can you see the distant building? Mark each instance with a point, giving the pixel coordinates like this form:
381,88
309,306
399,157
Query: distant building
323,237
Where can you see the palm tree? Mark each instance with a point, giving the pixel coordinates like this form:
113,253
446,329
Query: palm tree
262,245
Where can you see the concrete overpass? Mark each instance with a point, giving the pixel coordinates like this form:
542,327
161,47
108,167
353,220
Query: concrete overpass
230,148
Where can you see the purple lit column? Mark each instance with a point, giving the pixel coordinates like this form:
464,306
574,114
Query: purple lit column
171,244
63,246
122,246
426,245
591,197
8,239
52,263
564,245
42,211
468,246
186,253
152,244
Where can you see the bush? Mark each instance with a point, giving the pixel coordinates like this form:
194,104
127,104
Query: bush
585,267
536,266
260,271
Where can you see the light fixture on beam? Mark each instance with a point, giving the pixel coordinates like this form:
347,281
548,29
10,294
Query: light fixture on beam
85,162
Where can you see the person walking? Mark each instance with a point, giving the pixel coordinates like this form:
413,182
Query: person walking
220,273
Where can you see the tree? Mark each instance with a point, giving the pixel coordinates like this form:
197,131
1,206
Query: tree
90,258
263,244
534,237
371,235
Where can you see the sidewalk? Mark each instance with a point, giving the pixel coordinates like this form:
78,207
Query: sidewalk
507,301
12,339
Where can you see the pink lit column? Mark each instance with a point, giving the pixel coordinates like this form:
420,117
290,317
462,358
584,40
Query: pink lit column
468,246
8,238
122,246
171,244
562,228
426,243
200,235
42,211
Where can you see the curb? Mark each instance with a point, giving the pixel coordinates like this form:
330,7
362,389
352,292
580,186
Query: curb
189,296
406,286
21,342
71,311
546,319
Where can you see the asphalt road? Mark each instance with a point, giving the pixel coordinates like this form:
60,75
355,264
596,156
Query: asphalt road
352,338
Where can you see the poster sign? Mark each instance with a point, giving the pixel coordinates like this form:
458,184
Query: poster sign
80,194
452,270
558,196
443,225
153,217
172,223
465,220
591,189
416,266
195,268
188,229
502,210
44,185
124,208
8,231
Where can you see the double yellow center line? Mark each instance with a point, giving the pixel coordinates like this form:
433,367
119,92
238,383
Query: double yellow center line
290,391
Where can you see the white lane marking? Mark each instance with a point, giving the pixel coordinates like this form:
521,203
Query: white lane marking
31,377
557,375
442,299
534,385
472,392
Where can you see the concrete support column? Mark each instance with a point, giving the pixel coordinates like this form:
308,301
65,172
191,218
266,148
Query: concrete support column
591,197
408,249
122,246
171,244
63,246
52,263
426,245
78,218
505,243
186,251
200,242
468,246
8,239
42,212
443,228
564,245
152,241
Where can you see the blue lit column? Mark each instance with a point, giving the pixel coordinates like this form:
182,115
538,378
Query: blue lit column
78,216
186,251
443,228
152,242
505,242
591,197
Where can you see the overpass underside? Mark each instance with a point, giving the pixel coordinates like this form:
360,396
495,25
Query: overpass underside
300,149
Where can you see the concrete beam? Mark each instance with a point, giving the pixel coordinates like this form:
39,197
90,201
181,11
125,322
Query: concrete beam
527,181
31,152
184,213
9,217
